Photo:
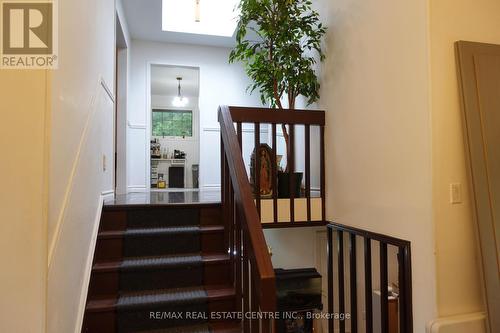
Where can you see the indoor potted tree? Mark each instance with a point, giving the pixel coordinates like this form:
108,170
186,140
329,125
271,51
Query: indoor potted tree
279,43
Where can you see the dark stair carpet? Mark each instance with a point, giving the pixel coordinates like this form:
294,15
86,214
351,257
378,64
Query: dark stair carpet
161,257
162,297
161,240
161,272
161,251
161,261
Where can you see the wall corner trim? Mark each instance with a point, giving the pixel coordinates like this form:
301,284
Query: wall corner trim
107,89
88,264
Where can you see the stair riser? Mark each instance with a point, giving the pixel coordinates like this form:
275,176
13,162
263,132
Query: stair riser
154,317
109,249
139,319
156,245
110,283
224,305
98,322
213,243
118,220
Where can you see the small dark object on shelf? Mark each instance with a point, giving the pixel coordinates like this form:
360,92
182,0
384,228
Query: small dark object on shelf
155,148
179,154
284,184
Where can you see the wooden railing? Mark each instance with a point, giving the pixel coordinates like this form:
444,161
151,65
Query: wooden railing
253,273
337,236
288,120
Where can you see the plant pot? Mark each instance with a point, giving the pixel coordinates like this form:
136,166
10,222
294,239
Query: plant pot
284,184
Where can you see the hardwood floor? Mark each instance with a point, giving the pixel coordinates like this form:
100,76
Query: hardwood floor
169,197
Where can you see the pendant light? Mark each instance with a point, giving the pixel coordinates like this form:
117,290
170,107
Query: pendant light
197,12
179,101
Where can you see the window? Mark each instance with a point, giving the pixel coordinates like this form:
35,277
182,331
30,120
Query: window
172,123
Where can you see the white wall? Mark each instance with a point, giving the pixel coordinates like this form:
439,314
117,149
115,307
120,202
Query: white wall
375,87
81,138
220,83
121,119
123,64
24,130
458,258
294,247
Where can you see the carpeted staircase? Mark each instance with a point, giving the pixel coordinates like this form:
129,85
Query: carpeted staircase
160,268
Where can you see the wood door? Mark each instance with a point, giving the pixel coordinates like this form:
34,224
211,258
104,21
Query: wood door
479,73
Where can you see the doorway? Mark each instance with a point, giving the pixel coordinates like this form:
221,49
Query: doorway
173,127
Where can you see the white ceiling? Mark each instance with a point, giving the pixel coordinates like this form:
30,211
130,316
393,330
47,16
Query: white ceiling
144,19
164,82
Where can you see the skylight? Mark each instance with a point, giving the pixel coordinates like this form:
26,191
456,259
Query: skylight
203,17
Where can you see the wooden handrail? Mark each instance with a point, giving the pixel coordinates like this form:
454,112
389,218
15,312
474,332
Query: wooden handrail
277,116
246,217
369,234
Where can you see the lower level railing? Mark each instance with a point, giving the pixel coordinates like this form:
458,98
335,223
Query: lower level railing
345,246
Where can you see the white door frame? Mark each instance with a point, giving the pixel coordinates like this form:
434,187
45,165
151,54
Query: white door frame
196,115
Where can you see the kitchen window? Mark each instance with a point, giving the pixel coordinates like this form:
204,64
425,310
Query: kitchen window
178,123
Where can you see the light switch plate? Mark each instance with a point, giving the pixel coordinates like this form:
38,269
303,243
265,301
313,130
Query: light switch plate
455,193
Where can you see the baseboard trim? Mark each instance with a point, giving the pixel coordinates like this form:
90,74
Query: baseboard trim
110,194
136,188
136,126
244,130
88,267
210,187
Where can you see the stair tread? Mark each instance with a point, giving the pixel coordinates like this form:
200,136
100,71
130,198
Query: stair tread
165,296
128,206
220,292
159,261
102,303
159,231
175,296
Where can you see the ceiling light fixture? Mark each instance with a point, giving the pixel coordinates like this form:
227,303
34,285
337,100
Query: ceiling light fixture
202,17
179,101
197,13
